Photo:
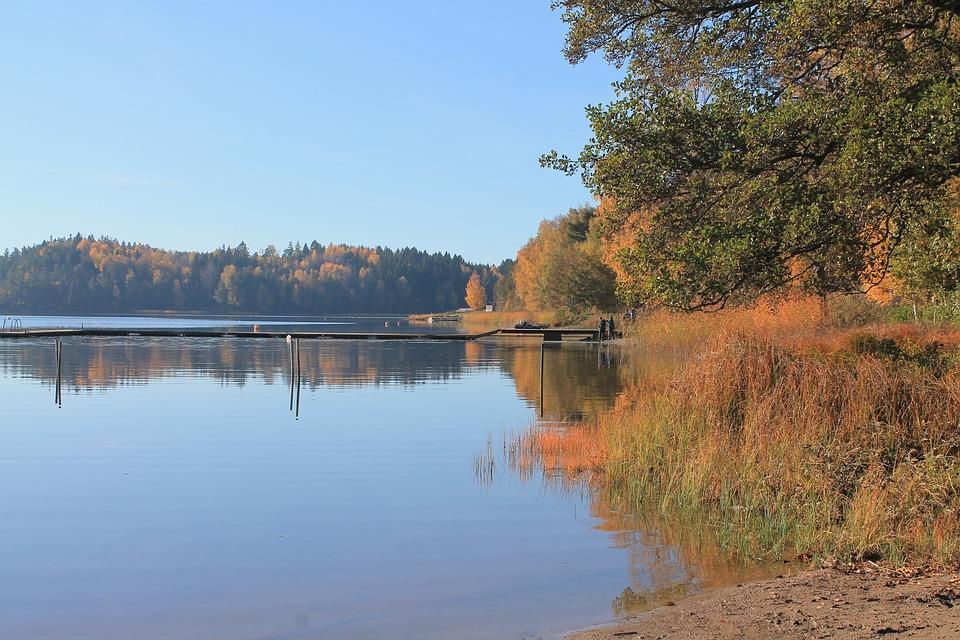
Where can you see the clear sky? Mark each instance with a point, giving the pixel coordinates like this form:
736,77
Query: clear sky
189,125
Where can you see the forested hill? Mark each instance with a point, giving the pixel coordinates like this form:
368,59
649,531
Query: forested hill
88,275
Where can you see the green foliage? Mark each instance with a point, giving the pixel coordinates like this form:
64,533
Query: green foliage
848,311
945,308
930,356
877,346
928,266
577,222
88,275
769,144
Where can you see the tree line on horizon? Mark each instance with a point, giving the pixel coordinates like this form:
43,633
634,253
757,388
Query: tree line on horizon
83,274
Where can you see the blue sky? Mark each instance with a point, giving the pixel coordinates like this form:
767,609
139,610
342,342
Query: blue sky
192,124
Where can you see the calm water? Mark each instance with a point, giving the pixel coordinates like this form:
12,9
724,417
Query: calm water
175,494
372,324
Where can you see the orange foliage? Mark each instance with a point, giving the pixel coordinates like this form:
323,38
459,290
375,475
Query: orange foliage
527,271
476,294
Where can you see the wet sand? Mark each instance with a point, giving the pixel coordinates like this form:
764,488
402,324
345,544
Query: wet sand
841,604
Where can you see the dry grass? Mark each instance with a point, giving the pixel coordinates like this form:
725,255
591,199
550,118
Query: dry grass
784,320
479,320
789,435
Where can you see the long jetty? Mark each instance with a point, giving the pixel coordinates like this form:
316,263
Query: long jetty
547,335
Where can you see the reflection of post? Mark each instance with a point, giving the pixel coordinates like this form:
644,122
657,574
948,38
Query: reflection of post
541,379
297,414
59,389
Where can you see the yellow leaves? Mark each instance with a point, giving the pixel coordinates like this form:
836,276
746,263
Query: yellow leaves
530,272
476,294
331,271
228,274
622,235
525,274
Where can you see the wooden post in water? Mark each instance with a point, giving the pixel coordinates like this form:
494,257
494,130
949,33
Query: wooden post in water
292,374
290,349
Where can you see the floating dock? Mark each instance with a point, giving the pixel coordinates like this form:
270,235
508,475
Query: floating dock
547,335
551,335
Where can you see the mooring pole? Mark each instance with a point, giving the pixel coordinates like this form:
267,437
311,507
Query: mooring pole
290,349
292,375
292,380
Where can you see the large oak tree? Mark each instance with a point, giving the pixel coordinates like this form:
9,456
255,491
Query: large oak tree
759,144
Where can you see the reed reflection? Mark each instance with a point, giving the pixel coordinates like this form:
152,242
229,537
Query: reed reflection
670,553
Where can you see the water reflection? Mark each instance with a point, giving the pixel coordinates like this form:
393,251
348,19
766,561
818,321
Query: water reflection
175,496
577,379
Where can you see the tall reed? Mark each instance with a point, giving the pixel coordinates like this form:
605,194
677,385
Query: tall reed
789,437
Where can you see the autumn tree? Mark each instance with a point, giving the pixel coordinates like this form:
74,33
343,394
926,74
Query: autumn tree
768,143
505,286
533,274
563,267
476,293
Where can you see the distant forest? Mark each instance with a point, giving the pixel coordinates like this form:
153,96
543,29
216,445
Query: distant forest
89,275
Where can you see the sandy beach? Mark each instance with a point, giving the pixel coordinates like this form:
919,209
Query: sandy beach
842,604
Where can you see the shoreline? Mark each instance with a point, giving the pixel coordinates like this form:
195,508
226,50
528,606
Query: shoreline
867,601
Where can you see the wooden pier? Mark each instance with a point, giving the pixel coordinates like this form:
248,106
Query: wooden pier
551,334
547,334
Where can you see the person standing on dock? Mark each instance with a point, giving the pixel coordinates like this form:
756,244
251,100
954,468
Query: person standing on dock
601,329
610,329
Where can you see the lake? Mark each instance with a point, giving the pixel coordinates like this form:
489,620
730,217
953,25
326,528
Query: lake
365,323
185,488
